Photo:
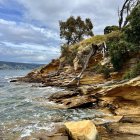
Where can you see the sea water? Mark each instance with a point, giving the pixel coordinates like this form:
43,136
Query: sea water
24,107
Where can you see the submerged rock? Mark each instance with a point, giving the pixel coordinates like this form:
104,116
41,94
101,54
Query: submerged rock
62,94
13,80
58,132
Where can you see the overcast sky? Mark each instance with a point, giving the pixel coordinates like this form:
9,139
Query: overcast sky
29,29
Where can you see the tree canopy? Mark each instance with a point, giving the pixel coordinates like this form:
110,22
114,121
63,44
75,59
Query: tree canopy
75,29
109,29
132,31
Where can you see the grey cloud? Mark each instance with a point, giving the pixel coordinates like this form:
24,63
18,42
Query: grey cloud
22,32
27,43
23,54
50,12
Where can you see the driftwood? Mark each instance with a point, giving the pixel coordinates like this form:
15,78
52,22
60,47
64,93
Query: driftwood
92,52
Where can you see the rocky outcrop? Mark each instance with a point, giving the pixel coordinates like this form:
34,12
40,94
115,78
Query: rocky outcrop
39,75
82,130
72,99
121,98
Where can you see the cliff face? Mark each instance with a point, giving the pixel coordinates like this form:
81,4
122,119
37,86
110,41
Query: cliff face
86,63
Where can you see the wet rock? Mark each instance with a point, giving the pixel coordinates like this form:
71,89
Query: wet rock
26,138
58,132
43,137
79,102
74,101
13,80
107,119
62,94
82,130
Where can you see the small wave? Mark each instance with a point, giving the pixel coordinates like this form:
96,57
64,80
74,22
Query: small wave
1,86
11,77
28,100
26,133
33,128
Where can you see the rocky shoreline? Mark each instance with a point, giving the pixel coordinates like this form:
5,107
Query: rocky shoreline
119,99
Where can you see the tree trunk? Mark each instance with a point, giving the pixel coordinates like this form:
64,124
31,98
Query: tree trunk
77,78
121,14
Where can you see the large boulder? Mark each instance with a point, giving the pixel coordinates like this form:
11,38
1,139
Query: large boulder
82,130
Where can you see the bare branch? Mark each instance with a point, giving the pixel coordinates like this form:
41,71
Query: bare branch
127,7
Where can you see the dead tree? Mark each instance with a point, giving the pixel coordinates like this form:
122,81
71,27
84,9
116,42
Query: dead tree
102,48
93,50
125,11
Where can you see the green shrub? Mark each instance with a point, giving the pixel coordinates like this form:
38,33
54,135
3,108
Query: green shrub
64,50
132,31
134,72
118,50
109,29
106,72
68,54
102,69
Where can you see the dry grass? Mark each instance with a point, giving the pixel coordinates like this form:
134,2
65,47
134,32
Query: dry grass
93,40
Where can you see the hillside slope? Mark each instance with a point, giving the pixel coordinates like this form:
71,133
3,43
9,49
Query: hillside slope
99,68
19,66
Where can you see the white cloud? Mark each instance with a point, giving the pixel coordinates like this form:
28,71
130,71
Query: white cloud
36,38
23,32
102,12
25,42
28,52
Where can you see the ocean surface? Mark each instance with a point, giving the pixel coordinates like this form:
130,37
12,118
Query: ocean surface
24,107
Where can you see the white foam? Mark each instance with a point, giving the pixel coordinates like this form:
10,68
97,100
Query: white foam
28,100
26,133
